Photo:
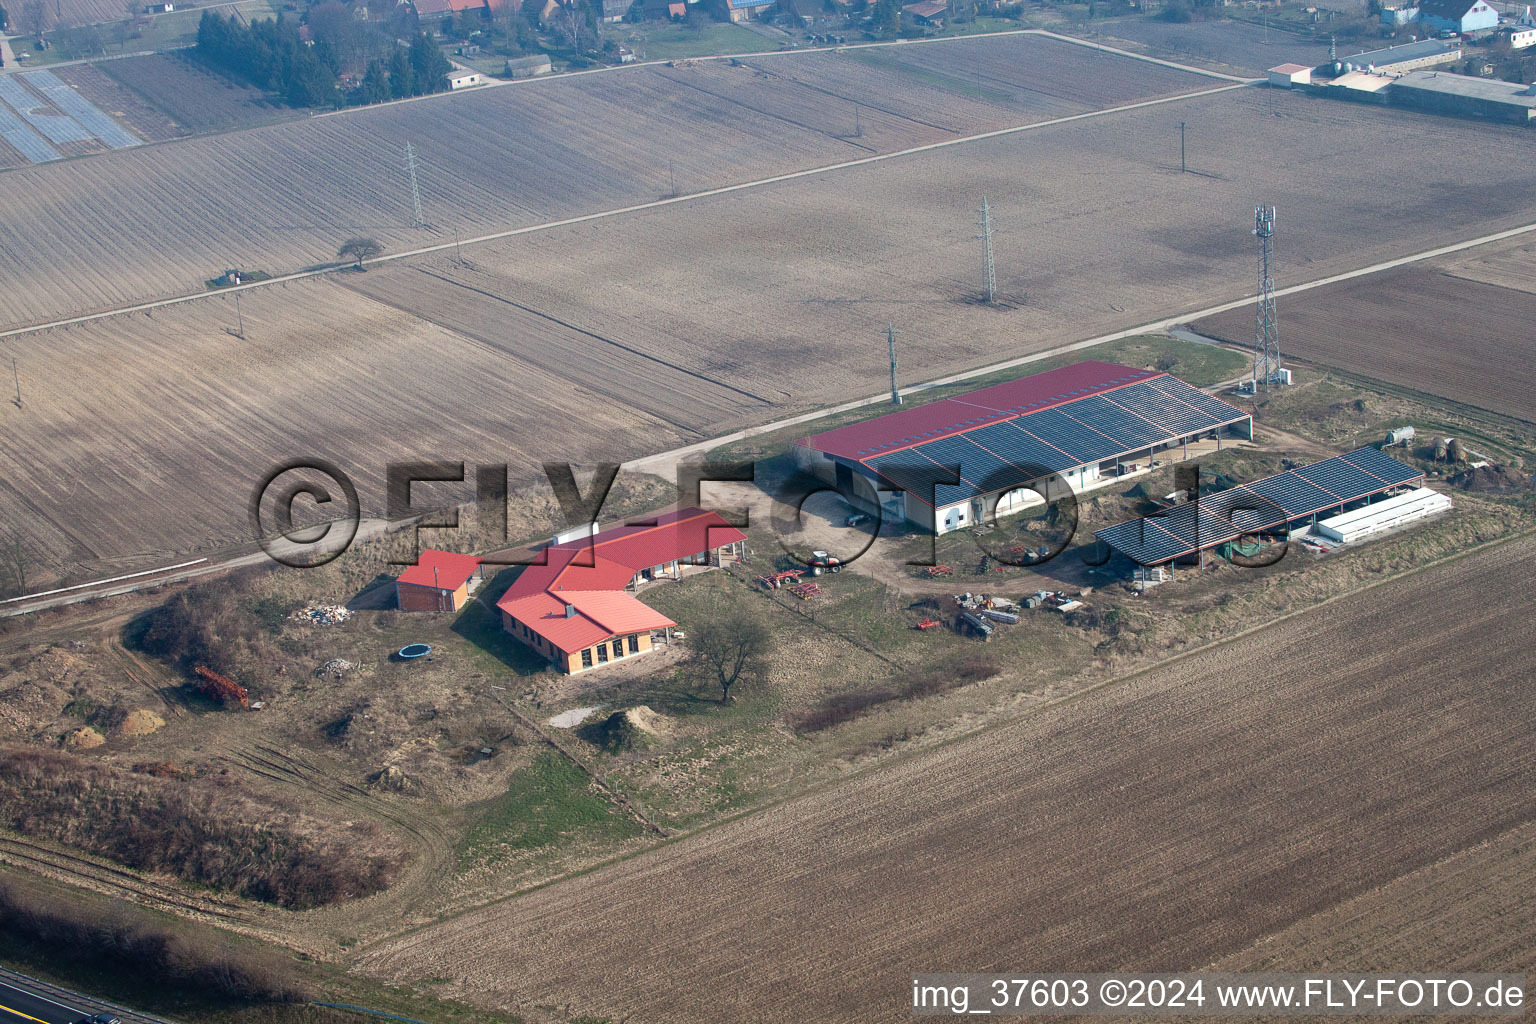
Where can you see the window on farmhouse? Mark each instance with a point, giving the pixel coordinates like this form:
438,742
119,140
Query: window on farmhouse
586,658
634,643
602,653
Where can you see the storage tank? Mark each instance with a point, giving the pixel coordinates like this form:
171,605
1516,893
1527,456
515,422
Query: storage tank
1402,435
1453,451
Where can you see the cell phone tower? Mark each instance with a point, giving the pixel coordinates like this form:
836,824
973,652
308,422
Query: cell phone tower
410,167
989,282
1266,350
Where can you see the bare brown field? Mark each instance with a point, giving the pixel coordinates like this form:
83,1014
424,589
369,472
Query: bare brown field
700,317
1510,264
1163,823
1416,326
282,197
86,12
200,415
1236,44
120,103
1472,911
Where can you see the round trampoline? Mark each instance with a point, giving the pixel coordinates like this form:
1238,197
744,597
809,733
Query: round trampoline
415,650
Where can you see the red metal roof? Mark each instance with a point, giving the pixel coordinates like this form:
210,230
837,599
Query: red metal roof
956,415
592,572
443,570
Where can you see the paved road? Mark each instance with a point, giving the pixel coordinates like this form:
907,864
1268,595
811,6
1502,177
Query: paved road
25,999
18,1006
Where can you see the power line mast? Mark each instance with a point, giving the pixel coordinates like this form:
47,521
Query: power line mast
16,374
890,340
410,166
1266,349
989,283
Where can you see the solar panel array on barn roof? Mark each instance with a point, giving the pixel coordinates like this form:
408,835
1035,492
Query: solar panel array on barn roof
1255,507
1009,434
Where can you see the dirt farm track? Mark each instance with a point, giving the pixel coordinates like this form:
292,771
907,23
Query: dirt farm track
1228,807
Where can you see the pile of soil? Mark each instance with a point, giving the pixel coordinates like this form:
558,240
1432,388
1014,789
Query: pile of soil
636,728
1491,480
140,723
83,738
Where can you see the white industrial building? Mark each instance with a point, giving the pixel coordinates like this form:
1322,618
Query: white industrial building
1288,76
1396,60
1387,514
1439,92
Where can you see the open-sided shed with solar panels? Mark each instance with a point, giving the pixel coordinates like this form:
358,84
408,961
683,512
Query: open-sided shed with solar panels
1269,505
962,460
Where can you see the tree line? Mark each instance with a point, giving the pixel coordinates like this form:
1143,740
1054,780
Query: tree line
271,54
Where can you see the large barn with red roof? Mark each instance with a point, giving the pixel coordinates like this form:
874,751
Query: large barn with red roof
967,459
577,608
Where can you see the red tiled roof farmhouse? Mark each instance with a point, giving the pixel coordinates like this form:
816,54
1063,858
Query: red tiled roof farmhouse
590,575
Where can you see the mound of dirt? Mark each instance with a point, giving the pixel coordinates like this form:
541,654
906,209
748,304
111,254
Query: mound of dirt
140,723
391,777
29,704
83,738
1491,480
633,728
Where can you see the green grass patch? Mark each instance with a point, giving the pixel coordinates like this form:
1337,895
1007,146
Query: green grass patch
491,646
549,802
213,284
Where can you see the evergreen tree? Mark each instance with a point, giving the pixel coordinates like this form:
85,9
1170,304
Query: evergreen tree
375,87
402,82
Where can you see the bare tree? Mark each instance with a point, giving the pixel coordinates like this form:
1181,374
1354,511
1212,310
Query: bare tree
13,559
33,19
727,649
359,249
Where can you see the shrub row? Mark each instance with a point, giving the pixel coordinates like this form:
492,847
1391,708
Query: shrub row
203,831
115,940
927,682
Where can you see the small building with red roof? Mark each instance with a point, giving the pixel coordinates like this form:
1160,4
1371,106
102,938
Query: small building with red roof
577,606
438,582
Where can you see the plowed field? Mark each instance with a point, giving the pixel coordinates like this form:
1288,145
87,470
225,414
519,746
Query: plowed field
1417,326
160,220
1164,822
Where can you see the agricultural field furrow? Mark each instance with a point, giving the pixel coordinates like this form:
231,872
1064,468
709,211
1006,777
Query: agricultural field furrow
1162,823
1059,73
164,446
1416,326
1511,264
458,300
120,103
193,98
780,293
282,197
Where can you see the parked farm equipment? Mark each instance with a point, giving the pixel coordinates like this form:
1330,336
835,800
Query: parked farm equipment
773,581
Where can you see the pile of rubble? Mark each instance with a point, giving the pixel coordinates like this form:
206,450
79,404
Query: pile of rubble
322,615
335,668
